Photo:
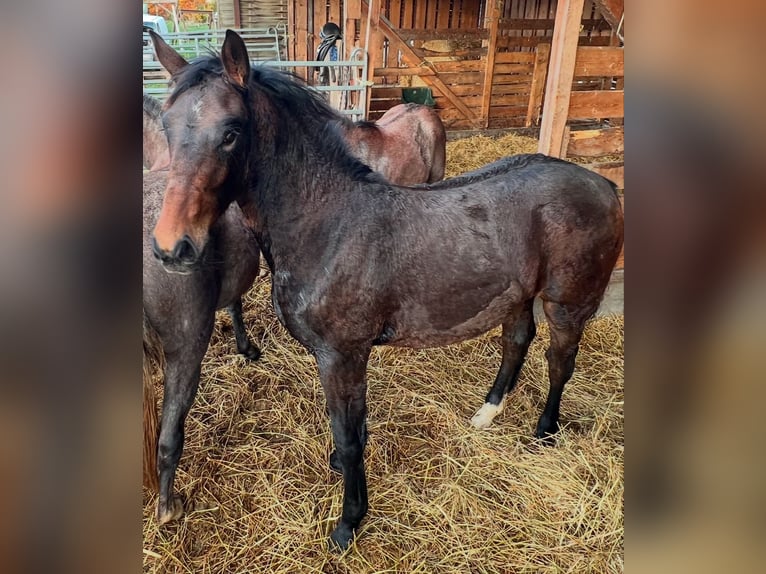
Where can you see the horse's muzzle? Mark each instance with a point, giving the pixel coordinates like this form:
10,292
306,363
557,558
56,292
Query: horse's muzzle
184,256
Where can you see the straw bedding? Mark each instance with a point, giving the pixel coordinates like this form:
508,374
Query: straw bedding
444,497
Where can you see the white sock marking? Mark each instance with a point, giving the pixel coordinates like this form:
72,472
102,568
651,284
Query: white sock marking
484,416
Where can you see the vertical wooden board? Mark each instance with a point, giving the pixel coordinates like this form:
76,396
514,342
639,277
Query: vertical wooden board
291,30
408,14
539,75
558,87
335,14
492,22
395,13
469,14
431,14
420,14
301,30
443,13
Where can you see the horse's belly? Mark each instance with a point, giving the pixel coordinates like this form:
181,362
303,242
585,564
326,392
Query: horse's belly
418,325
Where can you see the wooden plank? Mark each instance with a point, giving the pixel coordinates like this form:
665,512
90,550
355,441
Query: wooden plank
301,31
373,41
431,14
407,16
412,59
419,71
611,10
493,17
442,13
599,61
459,66
394,13
561,72
515,58
420,14
547,24
335,15
610,170
593,143
459,34
539,75
515,68
596,104
386,92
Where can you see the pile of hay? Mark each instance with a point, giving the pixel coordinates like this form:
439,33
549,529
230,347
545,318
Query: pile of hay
444,497
474,152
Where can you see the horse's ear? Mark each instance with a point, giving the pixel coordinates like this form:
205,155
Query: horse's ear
236,62
171,60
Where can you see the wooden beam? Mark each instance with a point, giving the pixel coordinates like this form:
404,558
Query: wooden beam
542,53
597,61
237,15
412,59
371,43
594,143
492,21
611,10
561,72
596,104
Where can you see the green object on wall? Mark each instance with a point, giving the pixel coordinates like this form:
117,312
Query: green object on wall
418,96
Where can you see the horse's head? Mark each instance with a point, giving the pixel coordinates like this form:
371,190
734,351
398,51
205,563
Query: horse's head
207,123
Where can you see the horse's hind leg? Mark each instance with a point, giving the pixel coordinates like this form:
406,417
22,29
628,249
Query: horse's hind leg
244,345
567,323
518,332
182,373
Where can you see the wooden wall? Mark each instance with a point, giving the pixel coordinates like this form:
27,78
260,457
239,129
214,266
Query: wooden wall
484,64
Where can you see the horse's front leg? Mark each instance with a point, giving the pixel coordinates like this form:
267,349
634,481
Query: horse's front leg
343,377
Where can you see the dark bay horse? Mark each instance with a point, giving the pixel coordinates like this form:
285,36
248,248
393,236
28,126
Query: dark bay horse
357,261
179,314
407,145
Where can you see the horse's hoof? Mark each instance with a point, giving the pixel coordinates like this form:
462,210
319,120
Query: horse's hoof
341,538
174,511
546,432
485,415
252,352
335,464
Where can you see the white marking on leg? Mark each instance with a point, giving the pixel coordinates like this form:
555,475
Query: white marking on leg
484,416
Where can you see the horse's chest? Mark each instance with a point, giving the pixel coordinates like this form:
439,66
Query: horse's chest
291,302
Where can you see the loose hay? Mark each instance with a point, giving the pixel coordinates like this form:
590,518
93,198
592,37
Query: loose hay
444,497
472,153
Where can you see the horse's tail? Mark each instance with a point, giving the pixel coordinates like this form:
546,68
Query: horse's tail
153,356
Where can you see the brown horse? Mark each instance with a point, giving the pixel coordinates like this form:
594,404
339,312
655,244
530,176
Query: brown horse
183,297
156,154
179,313
357,261
407,145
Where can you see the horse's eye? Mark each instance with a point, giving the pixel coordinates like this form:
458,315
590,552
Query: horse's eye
230,137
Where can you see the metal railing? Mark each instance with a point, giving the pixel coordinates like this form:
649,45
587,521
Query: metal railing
349,97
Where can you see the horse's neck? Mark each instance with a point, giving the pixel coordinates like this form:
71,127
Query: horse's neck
293,187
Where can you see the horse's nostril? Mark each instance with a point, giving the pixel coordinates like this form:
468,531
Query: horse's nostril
185,250
157,252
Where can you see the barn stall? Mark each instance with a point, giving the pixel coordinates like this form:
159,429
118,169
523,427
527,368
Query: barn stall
258,492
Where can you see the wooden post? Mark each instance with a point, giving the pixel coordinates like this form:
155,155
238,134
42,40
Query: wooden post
492,22
558,88
372,44
237,15
353,12
542,52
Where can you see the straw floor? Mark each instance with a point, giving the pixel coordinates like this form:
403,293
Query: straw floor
444,497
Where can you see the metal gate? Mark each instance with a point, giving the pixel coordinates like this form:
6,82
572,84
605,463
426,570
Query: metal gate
266,47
